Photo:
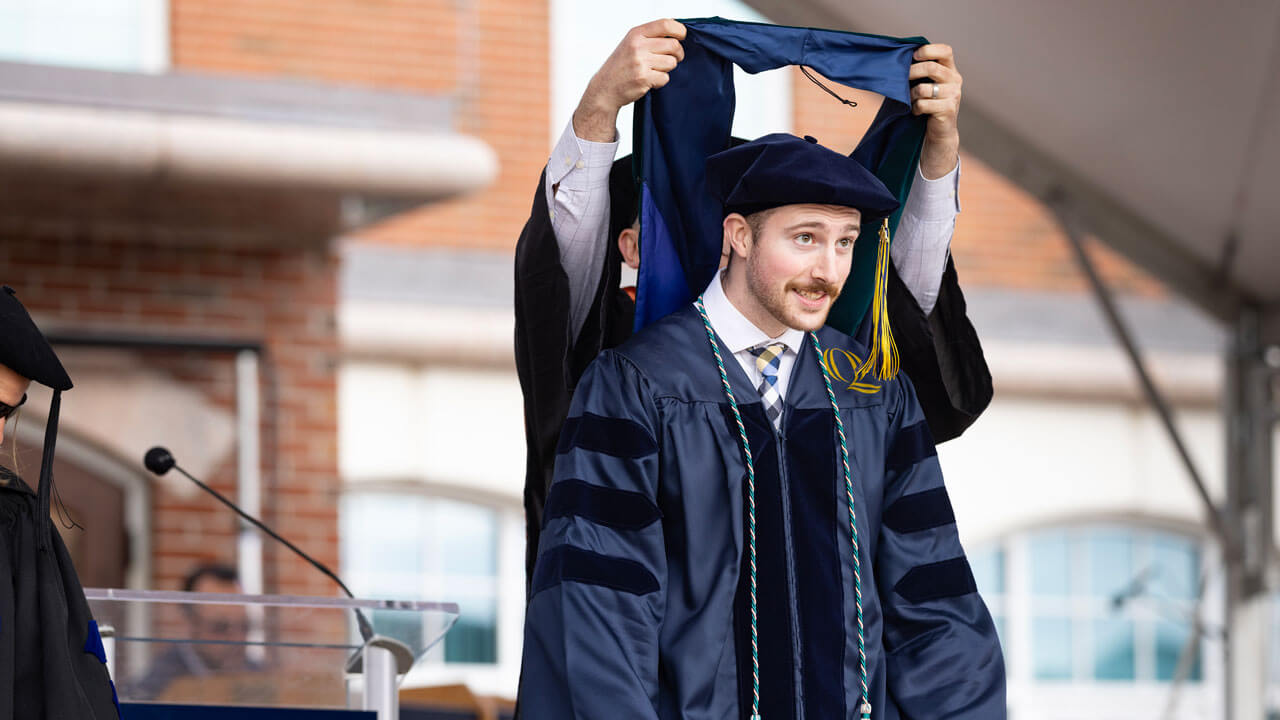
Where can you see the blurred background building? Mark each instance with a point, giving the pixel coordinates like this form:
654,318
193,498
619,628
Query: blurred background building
276,237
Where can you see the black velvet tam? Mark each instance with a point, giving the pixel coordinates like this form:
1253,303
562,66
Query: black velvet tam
782,169
24,348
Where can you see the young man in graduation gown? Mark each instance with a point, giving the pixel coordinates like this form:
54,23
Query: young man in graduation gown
732,532
52,663
583,225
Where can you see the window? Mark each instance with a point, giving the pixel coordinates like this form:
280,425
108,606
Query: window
406,546
1103,604
124,35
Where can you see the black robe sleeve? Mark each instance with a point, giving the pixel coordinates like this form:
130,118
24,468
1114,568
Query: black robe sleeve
548,360
542,350
941,354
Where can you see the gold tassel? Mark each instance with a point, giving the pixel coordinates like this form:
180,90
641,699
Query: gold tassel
883,356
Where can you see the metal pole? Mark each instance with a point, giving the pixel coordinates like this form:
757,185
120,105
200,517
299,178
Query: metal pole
1075,236
1246,654
355,691
1249,427
249,490
380,691
1244,525
249,494
108,635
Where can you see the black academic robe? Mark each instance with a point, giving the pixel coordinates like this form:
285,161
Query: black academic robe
52,663
939,352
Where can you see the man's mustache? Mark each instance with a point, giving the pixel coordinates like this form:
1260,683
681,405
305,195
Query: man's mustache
830,289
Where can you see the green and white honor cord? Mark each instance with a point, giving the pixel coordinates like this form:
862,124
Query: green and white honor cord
751,519
751,505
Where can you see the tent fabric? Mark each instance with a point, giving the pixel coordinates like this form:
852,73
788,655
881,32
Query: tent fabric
682,124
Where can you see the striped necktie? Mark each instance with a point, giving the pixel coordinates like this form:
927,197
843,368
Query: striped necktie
768,358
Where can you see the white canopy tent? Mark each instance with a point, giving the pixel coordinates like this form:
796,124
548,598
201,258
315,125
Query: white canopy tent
1153,125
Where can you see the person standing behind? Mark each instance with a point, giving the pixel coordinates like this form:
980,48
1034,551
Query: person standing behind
584,224
217,633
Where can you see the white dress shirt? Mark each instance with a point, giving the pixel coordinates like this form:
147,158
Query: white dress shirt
578,198
740,335
922,244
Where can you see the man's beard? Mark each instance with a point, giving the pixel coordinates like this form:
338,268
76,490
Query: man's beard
774,300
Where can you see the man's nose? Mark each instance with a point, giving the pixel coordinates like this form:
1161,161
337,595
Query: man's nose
824,268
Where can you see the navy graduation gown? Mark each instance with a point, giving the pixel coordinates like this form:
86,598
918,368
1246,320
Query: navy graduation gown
940,351
639,596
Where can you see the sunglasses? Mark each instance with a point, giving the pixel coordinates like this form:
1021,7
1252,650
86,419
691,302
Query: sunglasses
6,409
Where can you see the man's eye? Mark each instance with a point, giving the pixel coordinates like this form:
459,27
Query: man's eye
804,238
845,242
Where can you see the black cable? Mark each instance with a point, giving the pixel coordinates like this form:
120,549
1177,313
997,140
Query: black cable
809,74
366,630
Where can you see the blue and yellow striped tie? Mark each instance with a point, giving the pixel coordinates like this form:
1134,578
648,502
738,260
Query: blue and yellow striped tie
768,358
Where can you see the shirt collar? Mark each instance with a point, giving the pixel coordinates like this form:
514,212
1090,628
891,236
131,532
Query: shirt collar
737,332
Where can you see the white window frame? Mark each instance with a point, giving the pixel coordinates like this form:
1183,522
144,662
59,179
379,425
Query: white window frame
1029,698
154,55
500,677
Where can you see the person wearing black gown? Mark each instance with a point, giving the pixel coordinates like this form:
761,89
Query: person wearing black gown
52,661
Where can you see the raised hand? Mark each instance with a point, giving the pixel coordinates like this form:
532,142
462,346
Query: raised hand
939,99
640,63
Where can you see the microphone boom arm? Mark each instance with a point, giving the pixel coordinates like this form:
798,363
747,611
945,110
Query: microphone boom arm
159,461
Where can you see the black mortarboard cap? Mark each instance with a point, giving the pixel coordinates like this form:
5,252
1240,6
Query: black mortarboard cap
782,169
25,349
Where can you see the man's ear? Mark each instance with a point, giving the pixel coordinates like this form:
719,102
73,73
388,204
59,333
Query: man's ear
737,237
629,246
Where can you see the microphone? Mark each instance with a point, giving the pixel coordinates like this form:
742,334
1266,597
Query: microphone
160,461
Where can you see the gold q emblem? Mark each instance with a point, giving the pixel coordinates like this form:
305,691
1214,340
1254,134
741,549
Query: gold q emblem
831,358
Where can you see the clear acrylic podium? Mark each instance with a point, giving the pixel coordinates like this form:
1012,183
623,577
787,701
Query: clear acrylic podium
263,650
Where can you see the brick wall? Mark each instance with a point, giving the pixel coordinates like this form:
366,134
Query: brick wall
85,279
493,56
406,45
506,103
